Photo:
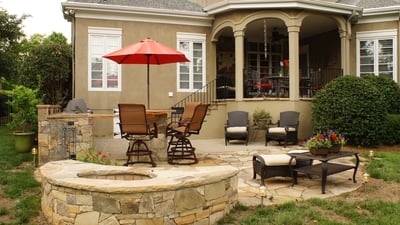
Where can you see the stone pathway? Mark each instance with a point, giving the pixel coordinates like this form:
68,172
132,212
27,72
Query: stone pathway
279,189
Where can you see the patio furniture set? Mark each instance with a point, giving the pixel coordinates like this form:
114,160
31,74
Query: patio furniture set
137,130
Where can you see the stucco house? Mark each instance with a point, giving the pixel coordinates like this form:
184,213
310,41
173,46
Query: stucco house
243,54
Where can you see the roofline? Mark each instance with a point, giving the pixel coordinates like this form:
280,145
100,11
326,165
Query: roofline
382,10
130,13
228,5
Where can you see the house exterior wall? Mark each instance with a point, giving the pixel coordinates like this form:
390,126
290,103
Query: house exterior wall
340,52
162,77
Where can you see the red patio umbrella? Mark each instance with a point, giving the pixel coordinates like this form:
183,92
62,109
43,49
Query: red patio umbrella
148,52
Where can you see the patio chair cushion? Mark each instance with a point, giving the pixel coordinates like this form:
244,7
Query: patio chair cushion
236,129
280,130
277,160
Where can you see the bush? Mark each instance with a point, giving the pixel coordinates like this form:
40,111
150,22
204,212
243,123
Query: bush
390,91
351,106
391,131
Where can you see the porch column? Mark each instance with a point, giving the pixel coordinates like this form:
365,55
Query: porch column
345,52
239,63
294,75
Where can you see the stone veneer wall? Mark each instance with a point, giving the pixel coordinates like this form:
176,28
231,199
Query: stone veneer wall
177,196
50,128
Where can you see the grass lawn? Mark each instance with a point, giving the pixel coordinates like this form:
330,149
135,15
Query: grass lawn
19,191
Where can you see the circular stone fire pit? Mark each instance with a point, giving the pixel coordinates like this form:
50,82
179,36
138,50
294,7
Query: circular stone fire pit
78,193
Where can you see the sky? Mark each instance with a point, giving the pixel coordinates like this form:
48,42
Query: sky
46,16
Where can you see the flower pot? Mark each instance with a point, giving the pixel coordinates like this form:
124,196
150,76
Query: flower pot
335,148
319,151
23,141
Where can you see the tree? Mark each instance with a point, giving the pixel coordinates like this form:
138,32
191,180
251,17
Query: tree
11,35
47,65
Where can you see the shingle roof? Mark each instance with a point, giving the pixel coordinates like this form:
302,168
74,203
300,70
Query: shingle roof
183,5
371,3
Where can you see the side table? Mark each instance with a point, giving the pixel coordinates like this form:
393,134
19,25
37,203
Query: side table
325,168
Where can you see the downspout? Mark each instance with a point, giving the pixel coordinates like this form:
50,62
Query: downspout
346,62
70,13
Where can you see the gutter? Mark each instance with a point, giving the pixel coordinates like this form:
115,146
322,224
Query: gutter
322,6
140,12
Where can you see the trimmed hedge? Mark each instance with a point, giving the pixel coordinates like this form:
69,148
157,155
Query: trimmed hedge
352,106
390,91
391,132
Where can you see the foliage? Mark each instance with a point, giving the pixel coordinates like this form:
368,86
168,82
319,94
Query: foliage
93,156
326,140
47,65
390,91
261,114
353,106
391,131
22,101
10,36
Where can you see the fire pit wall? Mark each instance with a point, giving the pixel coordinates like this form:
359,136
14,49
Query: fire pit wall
84,194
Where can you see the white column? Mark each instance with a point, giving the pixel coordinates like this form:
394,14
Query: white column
345,52
239,63
294,76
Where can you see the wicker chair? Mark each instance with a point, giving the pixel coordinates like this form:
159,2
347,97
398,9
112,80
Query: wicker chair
237,126
180,150
286,130
135,128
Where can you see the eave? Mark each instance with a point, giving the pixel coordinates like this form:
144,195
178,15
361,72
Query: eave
138,14
321,6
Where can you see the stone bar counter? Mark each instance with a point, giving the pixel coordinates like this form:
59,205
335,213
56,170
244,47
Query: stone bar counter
66,135
84,193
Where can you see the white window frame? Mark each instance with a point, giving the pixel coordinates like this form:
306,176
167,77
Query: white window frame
191,38
377,36
113,37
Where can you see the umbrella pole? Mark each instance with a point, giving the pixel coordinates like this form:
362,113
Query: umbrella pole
148,82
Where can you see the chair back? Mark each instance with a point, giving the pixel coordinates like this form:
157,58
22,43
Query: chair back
238,119
133,119
189,110
289,118
197,119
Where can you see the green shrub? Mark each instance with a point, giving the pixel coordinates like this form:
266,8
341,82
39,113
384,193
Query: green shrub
391,131
351,106
390,91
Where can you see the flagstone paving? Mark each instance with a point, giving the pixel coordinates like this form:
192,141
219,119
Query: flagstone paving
279,189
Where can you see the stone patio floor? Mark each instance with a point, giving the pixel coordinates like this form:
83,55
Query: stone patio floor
279,189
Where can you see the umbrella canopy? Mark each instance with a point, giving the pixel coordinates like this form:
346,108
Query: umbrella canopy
148,52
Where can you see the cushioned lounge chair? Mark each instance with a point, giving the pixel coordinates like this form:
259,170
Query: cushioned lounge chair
237,126
286,130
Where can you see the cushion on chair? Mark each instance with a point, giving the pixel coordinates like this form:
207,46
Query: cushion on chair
298,151
276,130
280,130
277,160
236,129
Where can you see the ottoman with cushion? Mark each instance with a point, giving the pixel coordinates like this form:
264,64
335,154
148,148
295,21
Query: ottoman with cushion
276,165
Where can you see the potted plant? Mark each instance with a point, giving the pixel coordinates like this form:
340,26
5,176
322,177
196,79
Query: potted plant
261,117
22,101
324,143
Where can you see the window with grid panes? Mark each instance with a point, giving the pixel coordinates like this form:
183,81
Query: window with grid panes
191,75
376,53
104,74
